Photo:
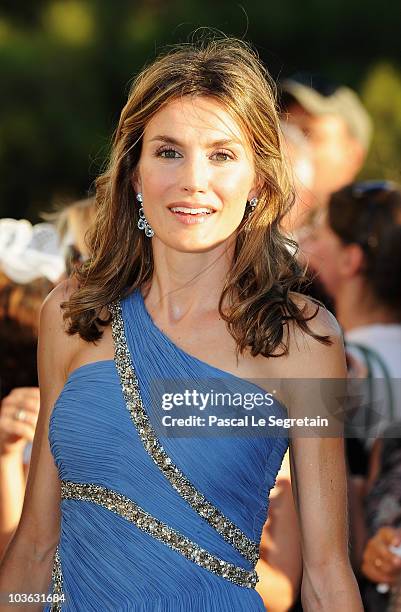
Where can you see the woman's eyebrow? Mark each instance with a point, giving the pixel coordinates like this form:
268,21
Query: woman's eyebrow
166,139
216,143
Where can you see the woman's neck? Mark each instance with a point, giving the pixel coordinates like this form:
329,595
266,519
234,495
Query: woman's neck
187,284
356,306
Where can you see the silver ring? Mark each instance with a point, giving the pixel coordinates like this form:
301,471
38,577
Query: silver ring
20,415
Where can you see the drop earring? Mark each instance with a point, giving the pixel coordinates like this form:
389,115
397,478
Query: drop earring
252,203
142,221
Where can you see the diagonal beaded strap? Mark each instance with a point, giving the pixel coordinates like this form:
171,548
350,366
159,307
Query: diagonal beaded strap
130,511
130,388
57,578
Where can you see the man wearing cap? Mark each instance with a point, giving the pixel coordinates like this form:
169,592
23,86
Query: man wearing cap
336,124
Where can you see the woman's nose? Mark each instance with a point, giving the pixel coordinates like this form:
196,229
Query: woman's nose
195,175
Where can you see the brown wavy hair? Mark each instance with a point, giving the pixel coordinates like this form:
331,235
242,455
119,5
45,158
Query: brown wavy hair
264,269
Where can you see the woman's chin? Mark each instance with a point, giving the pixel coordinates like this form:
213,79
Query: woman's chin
192,244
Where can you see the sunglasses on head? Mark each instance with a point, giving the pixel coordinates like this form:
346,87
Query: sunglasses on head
359,190
364,189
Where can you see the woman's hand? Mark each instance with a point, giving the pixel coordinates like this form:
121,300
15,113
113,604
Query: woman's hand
18,416
379,563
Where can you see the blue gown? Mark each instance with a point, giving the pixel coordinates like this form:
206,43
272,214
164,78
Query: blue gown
149,521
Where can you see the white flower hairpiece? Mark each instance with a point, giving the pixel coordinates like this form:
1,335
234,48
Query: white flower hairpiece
28,252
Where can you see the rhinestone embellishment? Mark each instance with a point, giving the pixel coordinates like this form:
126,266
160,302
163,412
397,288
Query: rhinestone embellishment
130,388
57,578
130,511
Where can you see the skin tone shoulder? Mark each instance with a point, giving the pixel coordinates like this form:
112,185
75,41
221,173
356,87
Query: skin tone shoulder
196,173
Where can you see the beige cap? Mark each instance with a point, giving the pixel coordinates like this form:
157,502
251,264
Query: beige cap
343,101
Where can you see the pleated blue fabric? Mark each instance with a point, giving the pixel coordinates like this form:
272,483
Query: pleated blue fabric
109,563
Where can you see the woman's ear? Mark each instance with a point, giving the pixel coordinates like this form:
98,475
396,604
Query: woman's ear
135,181
255,189
352,260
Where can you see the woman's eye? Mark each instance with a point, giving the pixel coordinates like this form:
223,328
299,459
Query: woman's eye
222,156
168,154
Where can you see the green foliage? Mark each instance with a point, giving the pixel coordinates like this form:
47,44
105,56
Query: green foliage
65,67
72,22
381,94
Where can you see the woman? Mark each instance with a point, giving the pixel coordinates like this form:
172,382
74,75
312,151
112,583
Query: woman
29,267
19,396
357,254
73,223
188,258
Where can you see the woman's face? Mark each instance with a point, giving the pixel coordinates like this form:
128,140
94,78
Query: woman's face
195,173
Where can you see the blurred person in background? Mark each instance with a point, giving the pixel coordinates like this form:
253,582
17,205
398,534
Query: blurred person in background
336,125
356,250
72,223
300,158
30,265
33,259
338,130
382,514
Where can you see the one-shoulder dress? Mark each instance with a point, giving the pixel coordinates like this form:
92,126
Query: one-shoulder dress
153,522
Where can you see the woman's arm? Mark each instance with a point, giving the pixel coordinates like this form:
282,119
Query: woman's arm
26,567
319,476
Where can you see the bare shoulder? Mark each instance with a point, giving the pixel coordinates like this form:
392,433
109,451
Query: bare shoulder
324,323
311,356
51,306
54,341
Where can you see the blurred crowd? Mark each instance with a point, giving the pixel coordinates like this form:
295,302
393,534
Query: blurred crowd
349,240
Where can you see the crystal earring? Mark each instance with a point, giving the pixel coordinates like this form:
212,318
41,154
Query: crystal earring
252,203
142,222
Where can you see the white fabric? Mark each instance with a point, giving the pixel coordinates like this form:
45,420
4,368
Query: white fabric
29,252
385,340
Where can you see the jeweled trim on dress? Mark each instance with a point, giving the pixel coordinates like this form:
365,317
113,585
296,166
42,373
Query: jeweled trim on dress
130,387
130,511
57,578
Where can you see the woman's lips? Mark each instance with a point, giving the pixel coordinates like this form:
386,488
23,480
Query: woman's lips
191,218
